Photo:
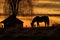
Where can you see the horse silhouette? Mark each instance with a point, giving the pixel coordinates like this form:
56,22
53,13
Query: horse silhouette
38,19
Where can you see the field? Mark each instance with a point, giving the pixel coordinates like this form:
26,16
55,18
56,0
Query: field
46,33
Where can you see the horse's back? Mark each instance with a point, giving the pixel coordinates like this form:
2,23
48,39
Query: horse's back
45,17
41,18
37,18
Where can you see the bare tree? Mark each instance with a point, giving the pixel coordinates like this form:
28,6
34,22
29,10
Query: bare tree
13,6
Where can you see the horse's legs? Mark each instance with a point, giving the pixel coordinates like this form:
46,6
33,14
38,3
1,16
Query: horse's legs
45,24
37,24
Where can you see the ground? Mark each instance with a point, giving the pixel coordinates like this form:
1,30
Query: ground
38,33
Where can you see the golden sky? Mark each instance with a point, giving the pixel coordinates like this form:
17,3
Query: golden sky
1,5
41,6
46,6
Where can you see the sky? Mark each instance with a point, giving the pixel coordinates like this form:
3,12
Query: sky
1,5
41,6
46,7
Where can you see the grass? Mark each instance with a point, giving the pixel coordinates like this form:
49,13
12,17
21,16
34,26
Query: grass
33,33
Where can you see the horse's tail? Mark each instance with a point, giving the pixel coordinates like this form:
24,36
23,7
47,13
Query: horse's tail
48,21
31,25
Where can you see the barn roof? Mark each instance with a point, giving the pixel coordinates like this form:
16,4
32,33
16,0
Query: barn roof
12,19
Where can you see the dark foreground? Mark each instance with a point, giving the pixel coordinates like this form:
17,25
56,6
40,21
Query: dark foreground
41,33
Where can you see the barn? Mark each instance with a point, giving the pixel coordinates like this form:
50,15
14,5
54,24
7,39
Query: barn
12,22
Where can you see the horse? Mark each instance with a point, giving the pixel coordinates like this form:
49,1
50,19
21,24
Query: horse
38,19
